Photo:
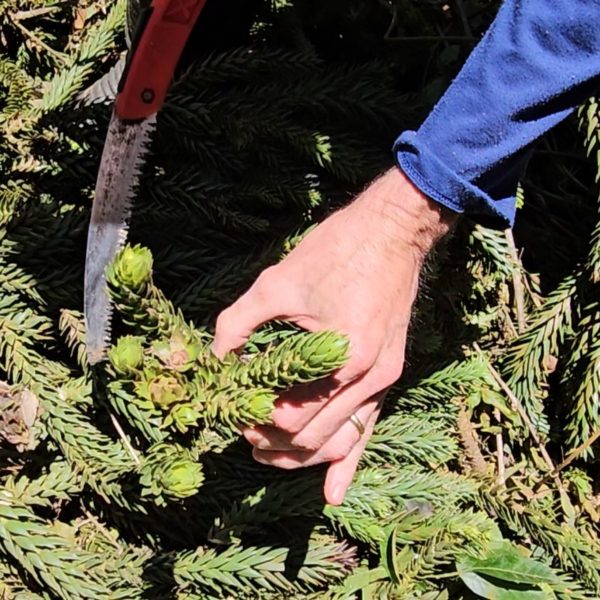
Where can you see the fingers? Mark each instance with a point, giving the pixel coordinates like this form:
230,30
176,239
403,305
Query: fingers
310,425
365,377
337,447
297,406
341,472
236,324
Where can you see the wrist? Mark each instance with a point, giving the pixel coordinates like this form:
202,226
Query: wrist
405,214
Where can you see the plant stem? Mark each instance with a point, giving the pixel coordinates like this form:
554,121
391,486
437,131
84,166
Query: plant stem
516,404
517,280
572,456
36,40
123,436
22,15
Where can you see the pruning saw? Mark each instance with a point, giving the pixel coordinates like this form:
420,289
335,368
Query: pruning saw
157,44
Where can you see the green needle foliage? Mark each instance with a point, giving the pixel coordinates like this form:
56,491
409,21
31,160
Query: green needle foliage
298,359
130,480
49,557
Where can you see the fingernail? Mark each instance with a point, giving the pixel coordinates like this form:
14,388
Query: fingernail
336,497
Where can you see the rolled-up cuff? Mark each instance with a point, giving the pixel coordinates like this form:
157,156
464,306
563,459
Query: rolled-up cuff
449,189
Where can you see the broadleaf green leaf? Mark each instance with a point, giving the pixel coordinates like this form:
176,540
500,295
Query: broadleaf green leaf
506,574
388,554
505,562
498,589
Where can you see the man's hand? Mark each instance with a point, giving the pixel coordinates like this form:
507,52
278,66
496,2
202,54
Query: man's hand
356,273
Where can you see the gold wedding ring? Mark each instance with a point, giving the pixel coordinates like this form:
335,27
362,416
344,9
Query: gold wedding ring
357,423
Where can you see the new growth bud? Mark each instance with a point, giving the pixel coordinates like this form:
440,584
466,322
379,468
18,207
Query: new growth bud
132,268
177,352
163,389
170,471
127,355
183,416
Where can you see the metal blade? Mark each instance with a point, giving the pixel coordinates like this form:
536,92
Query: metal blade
122,159
106,88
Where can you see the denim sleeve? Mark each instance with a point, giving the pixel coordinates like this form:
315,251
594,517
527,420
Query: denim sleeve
538,60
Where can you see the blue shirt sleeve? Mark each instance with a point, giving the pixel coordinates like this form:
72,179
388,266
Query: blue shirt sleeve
538,60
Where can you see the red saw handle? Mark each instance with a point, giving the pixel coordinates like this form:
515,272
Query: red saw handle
161,34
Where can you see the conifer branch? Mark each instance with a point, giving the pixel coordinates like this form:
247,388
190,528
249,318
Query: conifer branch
298,359
58,482
516,404
441,387
525,360
58,56
237,569
581,378
254,143
72,327
49,558
405,438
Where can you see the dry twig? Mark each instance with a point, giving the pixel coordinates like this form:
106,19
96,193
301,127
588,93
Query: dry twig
516,404
37,41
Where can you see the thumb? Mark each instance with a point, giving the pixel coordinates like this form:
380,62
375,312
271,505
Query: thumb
236,323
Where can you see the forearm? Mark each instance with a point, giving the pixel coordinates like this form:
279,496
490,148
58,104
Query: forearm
539,59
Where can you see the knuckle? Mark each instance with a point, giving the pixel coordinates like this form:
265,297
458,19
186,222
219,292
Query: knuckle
308,442
339,454
289,425
292,428
267,281
361,361
339,451
283,464
389,374
259,456
264,289
225,321
387,370
285,461
334,455
288,466
357,438
351,440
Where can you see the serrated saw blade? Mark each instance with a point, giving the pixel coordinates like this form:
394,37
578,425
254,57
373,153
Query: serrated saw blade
122,159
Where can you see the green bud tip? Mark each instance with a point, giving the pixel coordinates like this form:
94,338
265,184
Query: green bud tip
331,349
132,267
182,478
127,355
183,416
261,405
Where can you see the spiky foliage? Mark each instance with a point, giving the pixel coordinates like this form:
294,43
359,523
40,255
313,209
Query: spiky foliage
298,359
52,558
130,480
143,306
